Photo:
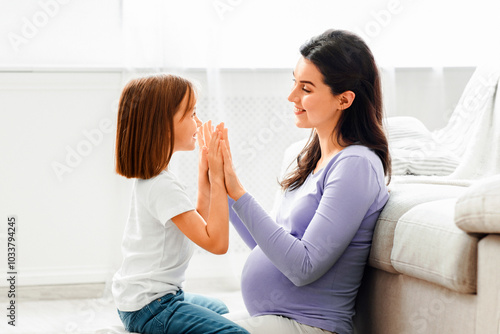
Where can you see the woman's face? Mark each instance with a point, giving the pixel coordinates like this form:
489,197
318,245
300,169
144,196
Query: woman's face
186,125
315,105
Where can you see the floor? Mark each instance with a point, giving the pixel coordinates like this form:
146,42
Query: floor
90,309
61,309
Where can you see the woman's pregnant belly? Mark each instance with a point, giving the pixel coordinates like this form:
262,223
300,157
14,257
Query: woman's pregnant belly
264,288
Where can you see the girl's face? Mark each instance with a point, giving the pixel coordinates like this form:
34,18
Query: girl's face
315,105
186,125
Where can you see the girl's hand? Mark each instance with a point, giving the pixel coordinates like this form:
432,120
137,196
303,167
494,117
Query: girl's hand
203,202
203,134
233,186
215,158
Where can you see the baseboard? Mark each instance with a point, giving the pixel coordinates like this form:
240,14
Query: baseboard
60,276
210,285
56,292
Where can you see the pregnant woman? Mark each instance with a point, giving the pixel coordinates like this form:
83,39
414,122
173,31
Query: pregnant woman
307,262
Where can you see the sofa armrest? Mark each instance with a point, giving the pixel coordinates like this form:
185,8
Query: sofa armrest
478,209
488,285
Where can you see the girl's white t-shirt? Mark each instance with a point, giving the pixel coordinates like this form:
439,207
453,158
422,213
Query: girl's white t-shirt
155,252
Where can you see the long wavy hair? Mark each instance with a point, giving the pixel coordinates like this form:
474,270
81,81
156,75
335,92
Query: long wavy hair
347,64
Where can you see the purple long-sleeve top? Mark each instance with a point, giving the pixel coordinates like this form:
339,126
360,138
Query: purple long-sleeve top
307,264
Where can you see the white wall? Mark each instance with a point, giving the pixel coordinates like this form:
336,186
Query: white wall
68,221
72,207
240,33
429,94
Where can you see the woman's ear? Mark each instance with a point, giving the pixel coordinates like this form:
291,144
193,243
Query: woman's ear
346,99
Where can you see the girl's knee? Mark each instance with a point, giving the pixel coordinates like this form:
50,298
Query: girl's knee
218,306
212,304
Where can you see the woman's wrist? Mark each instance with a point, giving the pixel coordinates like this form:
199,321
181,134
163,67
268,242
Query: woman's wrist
236,195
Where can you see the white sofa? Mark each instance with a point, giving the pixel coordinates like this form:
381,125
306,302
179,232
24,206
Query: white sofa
434,265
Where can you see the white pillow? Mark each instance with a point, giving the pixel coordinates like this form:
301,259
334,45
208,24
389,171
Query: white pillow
417,151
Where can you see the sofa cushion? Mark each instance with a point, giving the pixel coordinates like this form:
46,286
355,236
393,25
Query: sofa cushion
428,245
478,209
403,197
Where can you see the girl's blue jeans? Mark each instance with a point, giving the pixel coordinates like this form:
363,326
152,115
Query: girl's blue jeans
182,313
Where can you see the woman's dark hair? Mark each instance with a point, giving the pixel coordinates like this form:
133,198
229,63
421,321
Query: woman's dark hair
347,64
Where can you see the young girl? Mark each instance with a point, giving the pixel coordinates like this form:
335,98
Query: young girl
157,118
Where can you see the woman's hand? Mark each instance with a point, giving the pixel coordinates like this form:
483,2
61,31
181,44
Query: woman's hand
233,186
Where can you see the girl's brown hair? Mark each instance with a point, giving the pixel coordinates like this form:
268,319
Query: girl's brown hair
145,125
347,64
